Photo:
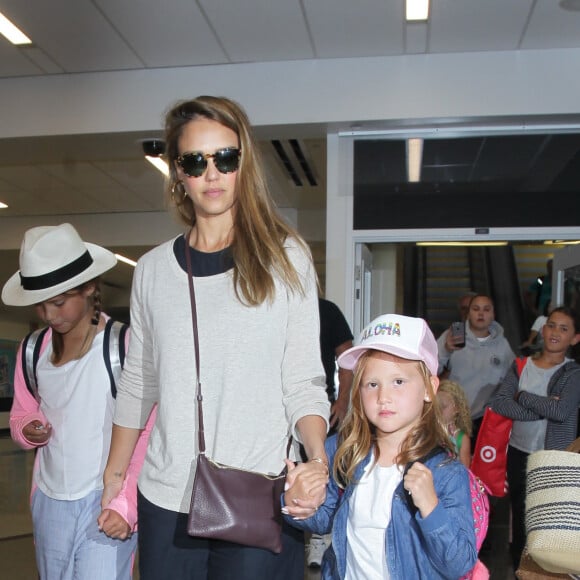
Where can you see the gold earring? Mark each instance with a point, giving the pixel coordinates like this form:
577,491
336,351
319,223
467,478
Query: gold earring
175,188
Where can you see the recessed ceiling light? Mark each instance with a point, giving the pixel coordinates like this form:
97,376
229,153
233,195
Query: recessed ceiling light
3,205
122,258
462,243
561,242
154,149
159,164
12,32
414,157
417,10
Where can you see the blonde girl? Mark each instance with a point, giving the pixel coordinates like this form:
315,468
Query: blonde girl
398,503
456,416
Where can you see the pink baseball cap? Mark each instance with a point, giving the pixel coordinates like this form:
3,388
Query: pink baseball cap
403,336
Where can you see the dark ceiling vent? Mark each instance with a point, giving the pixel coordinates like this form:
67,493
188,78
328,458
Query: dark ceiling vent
303,163
296,149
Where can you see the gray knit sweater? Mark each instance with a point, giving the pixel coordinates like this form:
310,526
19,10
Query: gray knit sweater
260,372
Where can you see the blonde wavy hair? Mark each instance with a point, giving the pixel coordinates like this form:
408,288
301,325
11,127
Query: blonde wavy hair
357,434
463,413
259,231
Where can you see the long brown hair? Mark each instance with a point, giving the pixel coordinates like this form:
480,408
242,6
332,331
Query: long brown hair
357,434
95,298
259,231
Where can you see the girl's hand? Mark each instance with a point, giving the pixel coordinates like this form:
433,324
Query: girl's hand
113,525
37,433
305,488
419,483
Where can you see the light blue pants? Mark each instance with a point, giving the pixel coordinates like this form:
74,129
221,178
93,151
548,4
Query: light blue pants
69,545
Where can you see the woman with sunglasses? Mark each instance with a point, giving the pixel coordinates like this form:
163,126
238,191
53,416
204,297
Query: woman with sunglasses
260,366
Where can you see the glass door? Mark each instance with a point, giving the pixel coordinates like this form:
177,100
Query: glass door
363,268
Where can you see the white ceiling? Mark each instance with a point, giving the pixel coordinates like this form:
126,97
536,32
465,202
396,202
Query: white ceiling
106,173
75,36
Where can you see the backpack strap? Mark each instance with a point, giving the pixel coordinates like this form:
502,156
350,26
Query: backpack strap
520,363
458,440
29,359
114,351
435,451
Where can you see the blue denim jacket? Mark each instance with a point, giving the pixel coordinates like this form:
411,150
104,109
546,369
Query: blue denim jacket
442,545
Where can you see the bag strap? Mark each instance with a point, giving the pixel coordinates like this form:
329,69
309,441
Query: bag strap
113,354
198,395
574,447
458,440
114,351
29,359
520,364
435,451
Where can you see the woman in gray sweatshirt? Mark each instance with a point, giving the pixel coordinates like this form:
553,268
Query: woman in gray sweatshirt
486,357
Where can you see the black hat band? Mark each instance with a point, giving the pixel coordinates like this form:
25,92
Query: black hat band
59,276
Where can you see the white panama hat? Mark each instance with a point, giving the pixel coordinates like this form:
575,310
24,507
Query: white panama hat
54,259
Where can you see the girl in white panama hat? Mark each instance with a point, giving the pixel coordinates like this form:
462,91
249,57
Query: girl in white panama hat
67,415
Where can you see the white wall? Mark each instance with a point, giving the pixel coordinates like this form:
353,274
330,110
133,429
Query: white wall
106,229
339,248
14,330
339,95
334,92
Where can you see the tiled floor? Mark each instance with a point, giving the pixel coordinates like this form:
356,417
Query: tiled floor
17,550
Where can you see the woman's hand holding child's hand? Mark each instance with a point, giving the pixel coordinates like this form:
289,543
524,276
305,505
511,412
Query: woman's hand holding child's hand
419,483
110,522
37,433
305,488
113,525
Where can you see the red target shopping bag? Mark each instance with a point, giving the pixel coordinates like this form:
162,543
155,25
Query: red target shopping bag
489,461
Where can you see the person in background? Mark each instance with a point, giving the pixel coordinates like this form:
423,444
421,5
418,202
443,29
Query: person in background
68,416
456,416
335,338
534,342
260,366
543,402
463,304
539,293
398,502
480,365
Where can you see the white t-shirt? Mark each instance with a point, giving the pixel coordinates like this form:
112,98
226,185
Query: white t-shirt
368,518
77,401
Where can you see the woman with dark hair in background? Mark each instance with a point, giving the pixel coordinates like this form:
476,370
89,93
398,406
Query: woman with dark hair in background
480,364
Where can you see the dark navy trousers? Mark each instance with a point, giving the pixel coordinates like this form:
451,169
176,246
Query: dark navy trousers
167,551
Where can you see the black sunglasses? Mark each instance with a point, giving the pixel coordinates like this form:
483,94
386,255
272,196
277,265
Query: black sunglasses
194,164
